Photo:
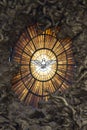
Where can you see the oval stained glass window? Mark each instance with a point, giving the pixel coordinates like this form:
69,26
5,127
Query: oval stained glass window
46,63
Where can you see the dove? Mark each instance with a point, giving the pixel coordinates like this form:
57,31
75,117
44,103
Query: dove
43,64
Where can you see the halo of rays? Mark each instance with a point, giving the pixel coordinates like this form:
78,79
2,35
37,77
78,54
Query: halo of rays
28,88
47,73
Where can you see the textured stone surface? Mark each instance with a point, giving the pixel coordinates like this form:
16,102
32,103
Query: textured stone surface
71,16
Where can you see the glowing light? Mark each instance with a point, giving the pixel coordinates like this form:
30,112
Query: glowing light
45,63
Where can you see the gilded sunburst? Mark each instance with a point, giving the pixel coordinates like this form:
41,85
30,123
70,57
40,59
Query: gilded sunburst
45,63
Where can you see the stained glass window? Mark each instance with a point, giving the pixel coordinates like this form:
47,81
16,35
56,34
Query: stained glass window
46,63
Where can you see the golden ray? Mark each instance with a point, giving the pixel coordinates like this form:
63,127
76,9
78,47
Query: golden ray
49,41
39,41
46,63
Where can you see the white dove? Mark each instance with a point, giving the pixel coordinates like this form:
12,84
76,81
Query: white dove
43,64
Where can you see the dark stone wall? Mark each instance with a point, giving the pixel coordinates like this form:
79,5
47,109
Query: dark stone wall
69,113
